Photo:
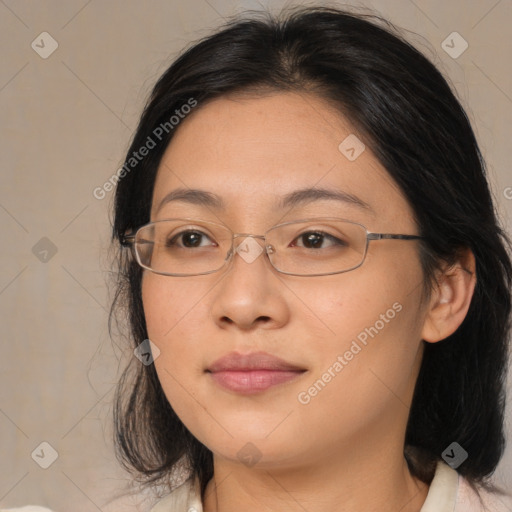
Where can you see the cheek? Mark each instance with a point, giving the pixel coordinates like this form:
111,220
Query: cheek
172,313
340,307
366,369
175,312
171,308
372,320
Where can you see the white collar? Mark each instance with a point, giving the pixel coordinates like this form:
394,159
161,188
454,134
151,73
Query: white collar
442,494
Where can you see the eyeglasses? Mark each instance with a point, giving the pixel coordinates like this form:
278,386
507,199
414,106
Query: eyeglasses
306,247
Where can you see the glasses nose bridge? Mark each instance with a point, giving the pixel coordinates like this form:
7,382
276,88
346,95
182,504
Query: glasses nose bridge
238,235
243,236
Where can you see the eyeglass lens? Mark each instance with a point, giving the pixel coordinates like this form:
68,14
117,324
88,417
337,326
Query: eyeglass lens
316,246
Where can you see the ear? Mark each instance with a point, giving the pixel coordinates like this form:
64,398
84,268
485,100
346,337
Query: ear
451,298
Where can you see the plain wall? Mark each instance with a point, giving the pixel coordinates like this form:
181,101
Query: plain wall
67,121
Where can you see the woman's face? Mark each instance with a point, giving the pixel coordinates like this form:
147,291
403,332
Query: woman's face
356,336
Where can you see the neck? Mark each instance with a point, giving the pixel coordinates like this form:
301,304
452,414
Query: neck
356,481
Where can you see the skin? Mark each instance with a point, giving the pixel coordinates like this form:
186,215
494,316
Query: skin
343,451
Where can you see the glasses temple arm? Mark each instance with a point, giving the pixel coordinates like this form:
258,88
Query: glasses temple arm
126,240
380,236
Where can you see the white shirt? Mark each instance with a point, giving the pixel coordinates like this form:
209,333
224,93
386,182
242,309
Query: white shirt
448,492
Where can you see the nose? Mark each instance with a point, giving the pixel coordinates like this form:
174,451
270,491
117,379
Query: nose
249,293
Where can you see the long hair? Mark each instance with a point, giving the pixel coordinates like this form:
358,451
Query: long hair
412,121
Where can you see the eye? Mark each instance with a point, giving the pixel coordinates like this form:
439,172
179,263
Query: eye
190,239
314,239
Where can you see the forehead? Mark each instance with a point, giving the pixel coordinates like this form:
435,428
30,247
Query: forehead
253,151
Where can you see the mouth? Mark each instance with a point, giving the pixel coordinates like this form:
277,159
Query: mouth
252,373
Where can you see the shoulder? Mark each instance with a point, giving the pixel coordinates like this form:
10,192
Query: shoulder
184,498
468,500
451,492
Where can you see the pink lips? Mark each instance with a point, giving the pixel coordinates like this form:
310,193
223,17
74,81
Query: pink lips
252,373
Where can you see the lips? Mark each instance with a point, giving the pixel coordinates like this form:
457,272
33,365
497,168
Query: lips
252,373
254,361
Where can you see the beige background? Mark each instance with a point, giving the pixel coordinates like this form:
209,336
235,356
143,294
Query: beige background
66,123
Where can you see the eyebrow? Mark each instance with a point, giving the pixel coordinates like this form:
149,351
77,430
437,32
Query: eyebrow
293,199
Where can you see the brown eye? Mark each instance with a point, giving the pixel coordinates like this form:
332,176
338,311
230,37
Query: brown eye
314,239
190,239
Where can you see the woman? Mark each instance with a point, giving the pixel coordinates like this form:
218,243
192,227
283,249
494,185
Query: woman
312,375
317,286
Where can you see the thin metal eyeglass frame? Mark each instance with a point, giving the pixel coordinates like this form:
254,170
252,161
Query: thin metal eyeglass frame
129,240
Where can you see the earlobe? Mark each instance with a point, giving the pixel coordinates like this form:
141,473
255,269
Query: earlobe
451,298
